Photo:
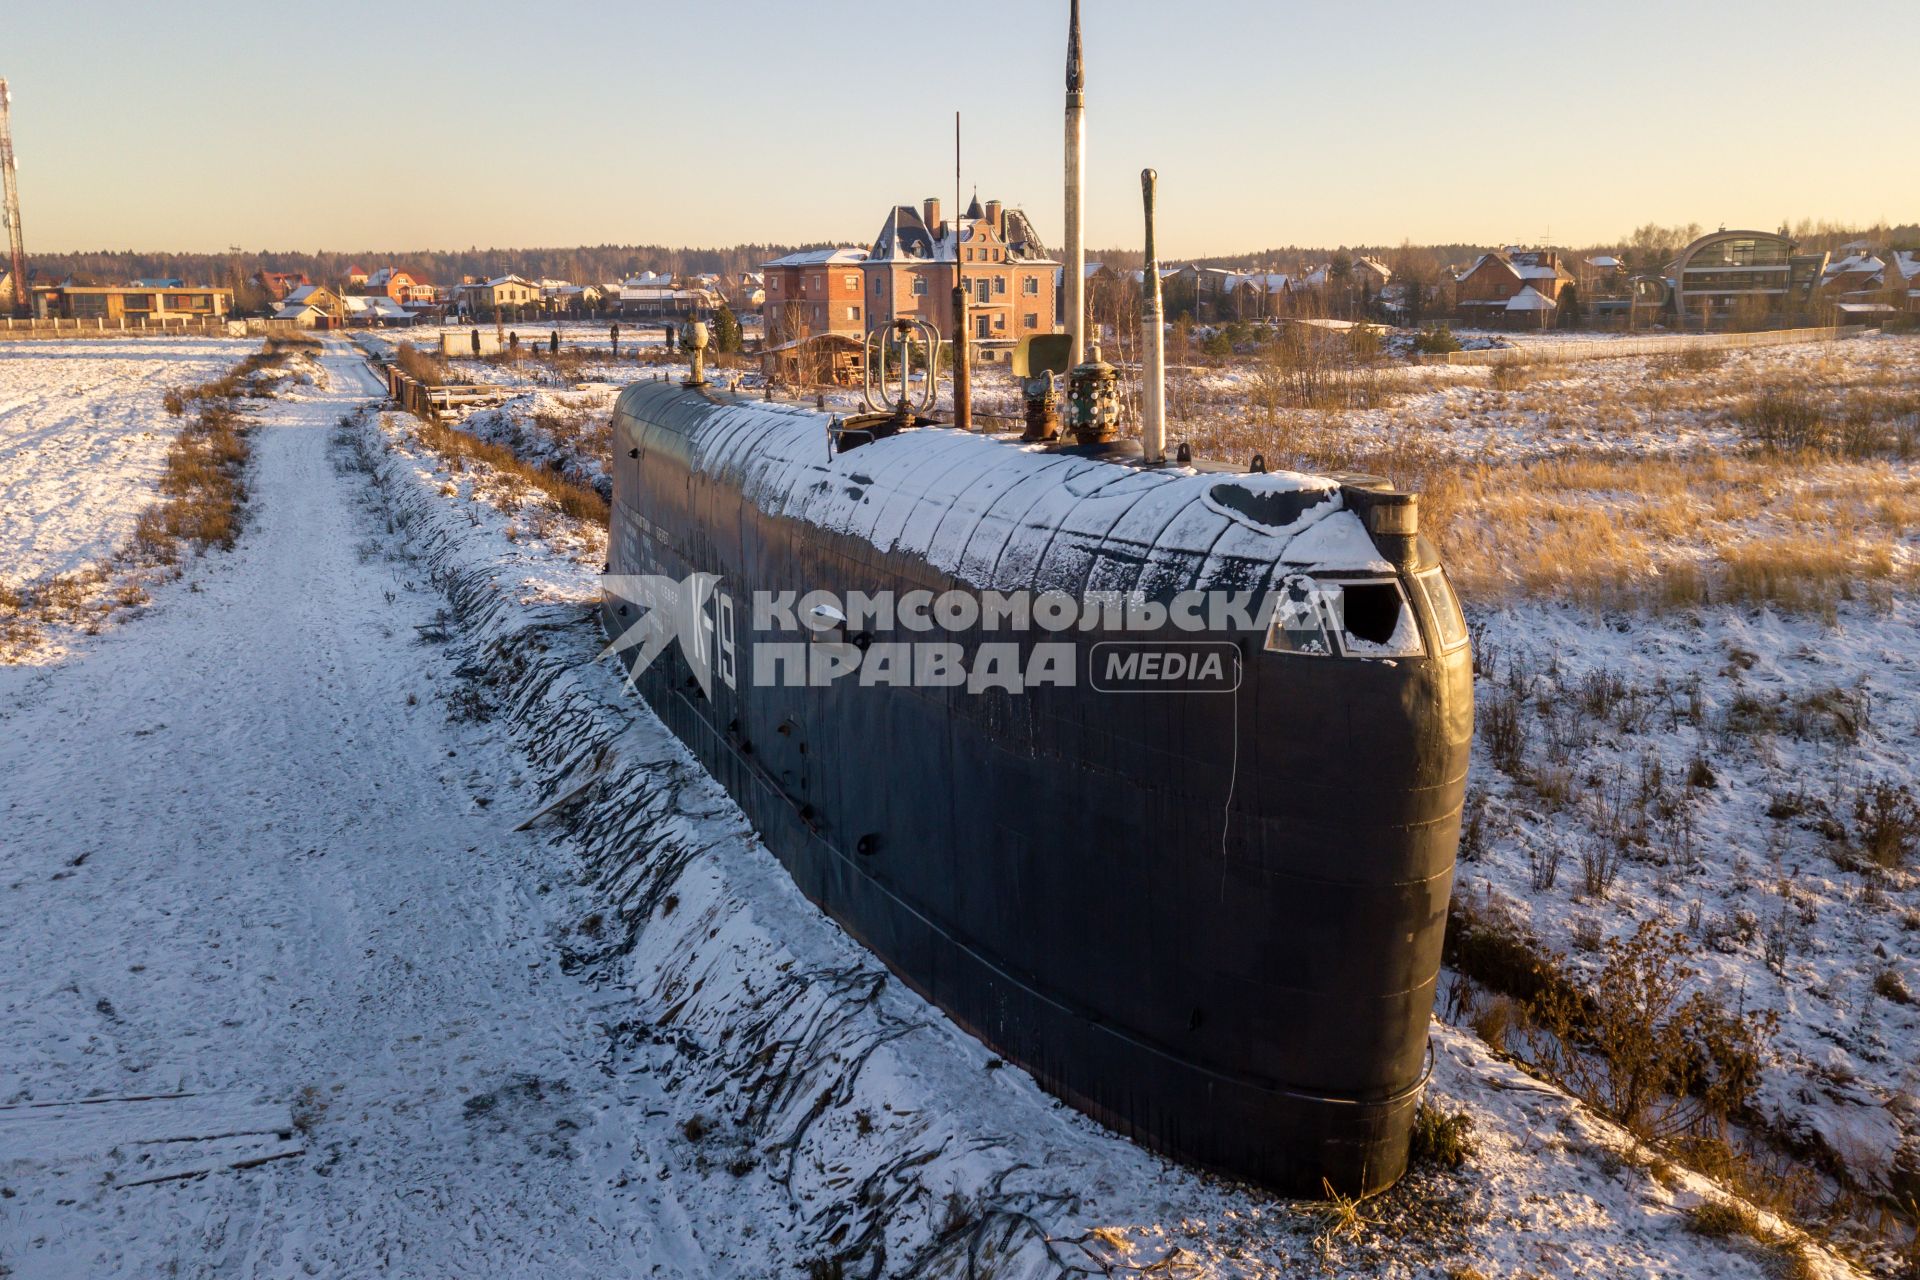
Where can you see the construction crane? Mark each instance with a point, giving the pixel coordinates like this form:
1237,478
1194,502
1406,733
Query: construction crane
16,246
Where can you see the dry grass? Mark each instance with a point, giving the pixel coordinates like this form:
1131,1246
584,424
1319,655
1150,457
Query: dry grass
1821,510
422,366
202,497
203,487
564,495
1721,1219
1795,532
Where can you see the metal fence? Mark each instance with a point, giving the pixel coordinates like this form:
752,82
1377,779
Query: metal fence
1616,348
125,327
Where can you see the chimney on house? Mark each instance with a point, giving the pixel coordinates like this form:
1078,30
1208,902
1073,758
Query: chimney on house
931,212
995,220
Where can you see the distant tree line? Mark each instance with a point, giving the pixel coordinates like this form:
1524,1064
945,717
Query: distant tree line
1647,248
587,264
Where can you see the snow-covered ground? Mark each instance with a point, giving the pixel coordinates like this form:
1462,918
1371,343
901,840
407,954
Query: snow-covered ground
83,439
290,993
1705,772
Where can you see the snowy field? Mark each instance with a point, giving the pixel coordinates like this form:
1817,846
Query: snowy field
291,992
82,440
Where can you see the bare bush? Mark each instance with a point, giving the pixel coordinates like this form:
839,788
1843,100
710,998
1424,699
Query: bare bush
1543,866
1784,422
1600,862
1644,1047
1503,727
1887,824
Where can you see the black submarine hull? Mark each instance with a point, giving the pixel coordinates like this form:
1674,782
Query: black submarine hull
1212,920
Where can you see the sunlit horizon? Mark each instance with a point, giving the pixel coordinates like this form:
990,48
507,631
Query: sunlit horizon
433,126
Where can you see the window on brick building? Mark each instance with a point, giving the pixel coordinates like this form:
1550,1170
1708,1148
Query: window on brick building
919,286
1031,320
1031,286
999,284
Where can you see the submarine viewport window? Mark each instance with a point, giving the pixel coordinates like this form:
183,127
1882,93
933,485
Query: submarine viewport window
1449,624
1372,619
1300,621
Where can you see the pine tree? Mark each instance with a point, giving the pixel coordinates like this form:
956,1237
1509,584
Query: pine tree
726,330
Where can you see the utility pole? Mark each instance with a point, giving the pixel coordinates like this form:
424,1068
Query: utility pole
962,379
16,245
1076,268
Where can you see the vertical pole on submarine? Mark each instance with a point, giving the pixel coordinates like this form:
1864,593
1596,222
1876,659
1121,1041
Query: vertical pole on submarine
1076,268
962,380
1153,325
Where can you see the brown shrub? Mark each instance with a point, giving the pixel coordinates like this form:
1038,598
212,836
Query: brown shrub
1784,422
571,499
1887,823
1642,1047
427,369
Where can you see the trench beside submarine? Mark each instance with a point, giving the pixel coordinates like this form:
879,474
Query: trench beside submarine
1211,919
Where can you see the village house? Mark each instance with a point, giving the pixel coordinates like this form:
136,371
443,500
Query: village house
655,295
744,291
278,284
1097,277
1257,295
910,270
1869,286
1207,293
501,294
1600,275
566,298
130,303
1728,274
375,310
813,292
311,306
1514,288
1859,273
1906,264
401,286
1370,275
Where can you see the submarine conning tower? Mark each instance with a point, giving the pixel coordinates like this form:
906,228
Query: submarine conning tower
1208,916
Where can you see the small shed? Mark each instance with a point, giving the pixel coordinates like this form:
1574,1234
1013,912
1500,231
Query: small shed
818,358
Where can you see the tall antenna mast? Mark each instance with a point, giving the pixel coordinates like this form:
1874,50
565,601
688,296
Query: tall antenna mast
1076,268
16,246
1153,324
962,375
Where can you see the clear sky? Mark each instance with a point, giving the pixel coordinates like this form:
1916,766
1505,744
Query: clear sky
420,124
